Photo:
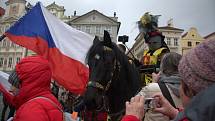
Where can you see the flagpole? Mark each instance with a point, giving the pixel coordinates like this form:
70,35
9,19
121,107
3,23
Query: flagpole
2,37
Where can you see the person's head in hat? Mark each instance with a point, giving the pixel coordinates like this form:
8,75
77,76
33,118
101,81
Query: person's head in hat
32,97
148,25
197,70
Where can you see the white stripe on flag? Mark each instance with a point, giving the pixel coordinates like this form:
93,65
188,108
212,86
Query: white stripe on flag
71,42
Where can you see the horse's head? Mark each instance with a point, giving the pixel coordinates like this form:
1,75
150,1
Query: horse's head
112,77
101,61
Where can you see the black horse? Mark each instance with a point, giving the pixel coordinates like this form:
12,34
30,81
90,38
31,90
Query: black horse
113,79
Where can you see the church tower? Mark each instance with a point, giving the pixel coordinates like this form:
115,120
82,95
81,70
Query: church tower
15,8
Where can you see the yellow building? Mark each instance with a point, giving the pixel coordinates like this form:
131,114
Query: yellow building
190,39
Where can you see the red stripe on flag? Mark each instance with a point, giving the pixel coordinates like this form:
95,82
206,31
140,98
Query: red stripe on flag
70,73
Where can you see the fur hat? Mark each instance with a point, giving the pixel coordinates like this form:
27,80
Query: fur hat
197,67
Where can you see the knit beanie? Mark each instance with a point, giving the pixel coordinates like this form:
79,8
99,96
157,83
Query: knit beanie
197,67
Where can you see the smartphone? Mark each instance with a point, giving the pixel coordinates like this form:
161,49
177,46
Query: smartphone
150,103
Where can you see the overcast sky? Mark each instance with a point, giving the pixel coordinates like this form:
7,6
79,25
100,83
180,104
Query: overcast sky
185,13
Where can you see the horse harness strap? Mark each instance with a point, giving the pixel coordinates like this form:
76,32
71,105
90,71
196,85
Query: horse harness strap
98,85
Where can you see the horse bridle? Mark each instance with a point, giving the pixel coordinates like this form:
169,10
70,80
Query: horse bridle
104,89
99,86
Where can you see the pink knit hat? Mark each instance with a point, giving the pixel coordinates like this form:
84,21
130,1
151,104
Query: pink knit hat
197,67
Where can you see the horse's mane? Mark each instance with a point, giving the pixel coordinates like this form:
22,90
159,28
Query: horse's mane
127,85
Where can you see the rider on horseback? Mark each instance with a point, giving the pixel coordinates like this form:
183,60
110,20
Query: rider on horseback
148,25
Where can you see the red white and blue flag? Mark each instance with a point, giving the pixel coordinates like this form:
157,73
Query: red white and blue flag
65,47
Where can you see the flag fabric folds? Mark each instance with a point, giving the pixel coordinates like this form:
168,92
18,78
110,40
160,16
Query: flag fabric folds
4,84
65,47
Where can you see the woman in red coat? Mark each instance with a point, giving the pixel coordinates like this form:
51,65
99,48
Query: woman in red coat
32,95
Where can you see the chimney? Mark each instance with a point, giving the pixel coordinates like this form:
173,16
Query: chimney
114,14
74,13
170,23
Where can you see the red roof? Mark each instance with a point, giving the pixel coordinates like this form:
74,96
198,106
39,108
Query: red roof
211,34
2,11
185,34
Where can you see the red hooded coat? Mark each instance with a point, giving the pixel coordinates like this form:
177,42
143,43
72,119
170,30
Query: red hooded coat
35,76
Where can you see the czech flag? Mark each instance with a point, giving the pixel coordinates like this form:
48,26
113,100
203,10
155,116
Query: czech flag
65,47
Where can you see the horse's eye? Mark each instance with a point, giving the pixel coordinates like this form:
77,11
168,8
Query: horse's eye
97,57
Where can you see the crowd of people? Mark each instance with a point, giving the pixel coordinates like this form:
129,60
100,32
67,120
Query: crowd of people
196,70
182,90
189,78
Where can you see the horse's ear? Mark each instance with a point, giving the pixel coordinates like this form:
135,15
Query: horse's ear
107,38
96,40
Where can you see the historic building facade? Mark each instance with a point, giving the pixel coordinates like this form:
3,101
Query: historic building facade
11,53
172,36
138,47
190,39
58,11
95,23
92,22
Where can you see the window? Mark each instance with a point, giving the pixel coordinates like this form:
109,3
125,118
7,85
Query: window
4,43
7,27
94,17
175,42
189,44
168,41
78,27
12,44
7,43
197,43
98,28
3,29
5,61
10,62
108,28
1,62
14,10
88,29
17,59
55,14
